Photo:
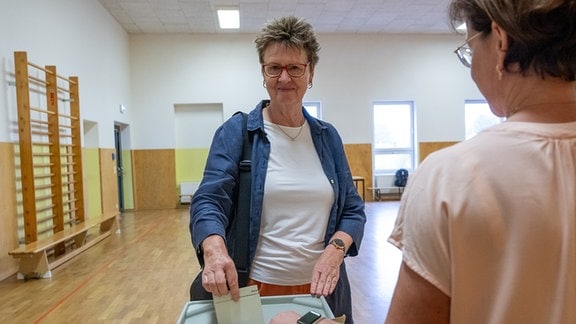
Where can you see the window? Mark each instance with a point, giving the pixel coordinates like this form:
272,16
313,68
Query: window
313,108
393,136
478,116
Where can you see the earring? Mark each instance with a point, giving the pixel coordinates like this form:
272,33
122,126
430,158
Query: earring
499,72
309,85
264,84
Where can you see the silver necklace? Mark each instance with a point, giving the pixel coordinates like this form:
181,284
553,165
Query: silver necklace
293,138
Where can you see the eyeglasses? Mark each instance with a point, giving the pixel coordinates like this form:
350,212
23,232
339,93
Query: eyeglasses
464,51
293,70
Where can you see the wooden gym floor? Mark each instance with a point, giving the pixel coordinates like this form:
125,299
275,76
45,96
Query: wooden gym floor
142,275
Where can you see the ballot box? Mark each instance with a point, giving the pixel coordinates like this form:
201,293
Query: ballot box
202,312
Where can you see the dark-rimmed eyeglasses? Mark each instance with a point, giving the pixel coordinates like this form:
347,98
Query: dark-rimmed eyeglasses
464,51
293,70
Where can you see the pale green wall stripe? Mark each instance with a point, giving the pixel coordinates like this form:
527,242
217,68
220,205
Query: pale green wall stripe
190,164
127,179
93,197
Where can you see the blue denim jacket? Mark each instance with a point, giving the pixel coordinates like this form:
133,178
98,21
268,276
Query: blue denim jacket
213,202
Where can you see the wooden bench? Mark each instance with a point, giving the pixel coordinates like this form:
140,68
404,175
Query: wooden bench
378,192
357,181
33,257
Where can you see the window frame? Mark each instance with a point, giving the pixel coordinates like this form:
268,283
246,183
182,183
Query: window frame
411,150
316,104
466,110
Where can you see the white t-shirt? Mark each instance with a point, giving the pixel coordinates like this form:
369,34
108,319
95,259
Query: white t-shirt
492,223
297,202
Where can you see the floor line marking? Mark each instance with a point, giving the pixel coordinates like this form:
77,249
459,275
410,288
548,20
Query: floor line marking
85,282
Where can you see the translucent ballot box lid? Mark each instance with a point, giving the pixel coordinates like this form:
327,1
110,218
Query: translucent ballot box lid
202,312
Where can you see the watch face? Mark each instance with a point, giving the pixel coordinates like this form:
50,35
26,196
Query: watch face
309,318
339,244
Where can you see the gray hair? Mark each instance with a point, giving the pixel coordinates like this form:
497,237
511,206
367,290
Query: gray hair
291,32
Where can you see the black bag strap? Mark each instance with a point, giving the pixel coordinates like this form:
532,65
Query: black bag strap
242,228
241,224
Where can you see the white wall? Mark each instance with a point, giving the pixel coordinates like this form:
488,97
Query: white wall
151,73
354,71
81,39
184,69
195,125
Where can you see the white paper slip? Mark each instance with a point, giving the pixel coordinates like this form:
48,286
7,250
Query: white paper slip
248,310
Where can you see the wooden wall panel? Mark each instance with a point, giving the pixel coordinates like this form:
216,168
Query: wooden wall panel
360,160
154,176
8,212
108,180
428,147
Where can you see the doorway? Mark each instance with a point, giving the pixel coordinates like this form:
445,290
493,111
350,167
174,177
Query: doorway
119,166
123,159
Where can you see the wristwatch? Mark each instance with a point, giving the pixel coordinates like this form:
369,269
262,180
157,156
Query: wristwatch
310,318
339,244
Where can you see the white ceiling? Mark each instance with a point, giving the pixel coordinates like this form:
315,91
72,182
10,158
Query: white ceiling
327,16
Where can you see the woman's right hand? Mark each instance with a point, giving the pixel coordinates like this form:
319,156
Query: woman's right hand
219,275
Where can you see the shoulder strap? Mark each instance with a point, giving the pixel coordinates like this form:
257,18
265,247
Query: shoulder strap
242,227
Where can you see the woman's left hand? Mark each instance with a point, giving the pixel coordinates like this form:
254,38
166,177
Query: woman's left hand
326,272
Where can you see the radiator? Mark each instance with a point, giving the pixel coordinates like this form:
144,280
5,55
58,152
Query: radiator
187,190
386,180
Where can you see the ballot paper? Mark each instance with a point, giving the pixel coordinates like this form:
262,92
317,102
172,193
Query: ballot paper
248,310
